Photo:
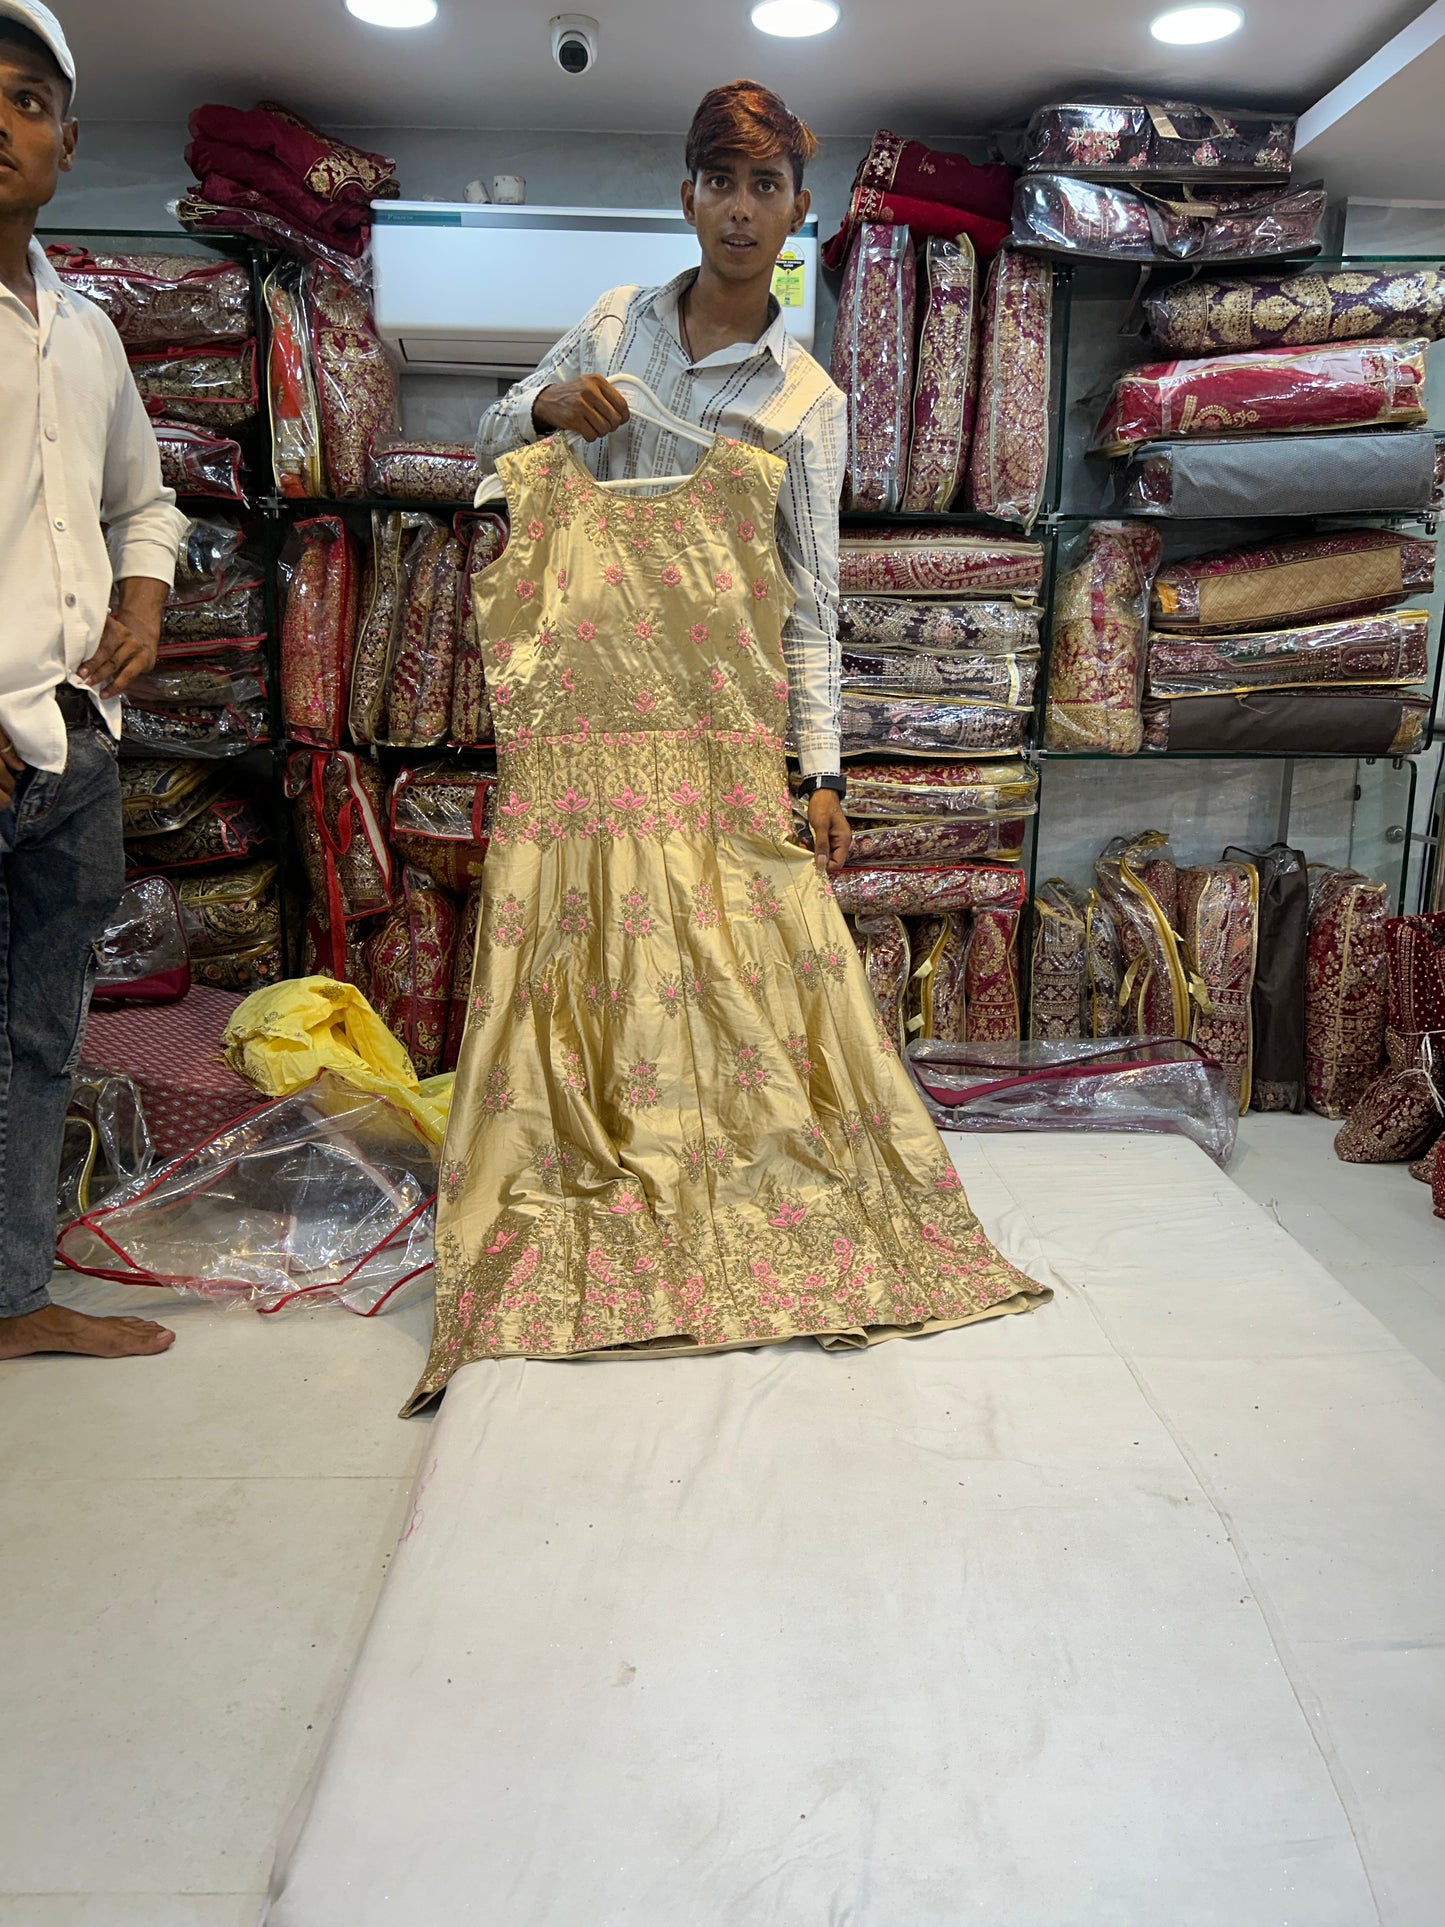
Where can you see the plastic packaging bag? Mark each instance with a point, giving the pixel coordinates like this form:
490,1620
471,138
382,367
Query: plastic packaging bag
229,911
1355,721
162,300
296,453
1312,578
190,732
1059,214
1359,473
1058,984
424,647
413,471
928,888
326,1194
873,363
232,604
224,827
878,842
1171,140
204,674
107,1142
875,725
409,962
923,559
1101,631
1007,678
1009,466
936,1005
898,622
195,463
356,383
318,631
1215,317
141,956
207,553
971,791
1267,391
471,724
882,942
945,382
212,387
441,821
1144,1084
1363,649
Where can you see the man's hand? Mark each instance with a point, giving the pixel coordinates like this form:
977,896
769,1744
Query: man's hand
127,649
589,407
832,837
10,770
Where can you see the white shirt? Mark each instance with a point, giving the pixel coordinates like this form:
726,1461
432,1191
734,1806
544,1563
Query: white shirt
769,392
76,451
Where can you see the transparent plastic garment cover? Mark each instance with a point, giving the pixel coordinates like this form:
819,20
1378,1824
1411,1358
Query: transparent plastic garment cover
1073,1084
325,1195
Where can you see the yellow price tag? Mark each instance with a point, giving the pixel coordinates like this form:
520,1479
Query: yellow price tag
788,280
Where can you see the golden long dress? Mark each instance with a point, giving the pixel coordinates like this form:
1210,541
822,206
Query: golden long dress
678,1122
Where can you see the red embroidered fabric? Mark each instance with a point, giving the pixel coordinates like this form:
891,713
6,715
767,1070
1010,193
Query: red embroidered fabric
1345,989
873,363
1009,465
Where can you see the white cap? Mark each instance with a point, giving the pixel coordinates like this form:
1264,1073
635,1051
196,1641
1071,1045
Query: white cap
44,25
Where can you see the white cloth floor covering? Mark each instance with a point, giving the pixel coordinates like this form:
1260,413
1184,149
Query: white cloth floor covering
1120,1612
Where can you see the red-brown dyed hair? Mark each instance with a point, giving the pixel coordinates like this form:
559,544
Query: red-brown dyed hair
747,118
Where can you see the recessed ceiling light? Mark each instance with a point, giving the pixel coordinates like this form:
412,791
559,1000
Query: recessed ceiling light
795,19
1196,26
394,13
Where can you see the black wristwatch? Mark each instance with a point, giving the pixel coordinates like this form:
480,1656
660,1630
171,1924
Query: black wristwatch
836,782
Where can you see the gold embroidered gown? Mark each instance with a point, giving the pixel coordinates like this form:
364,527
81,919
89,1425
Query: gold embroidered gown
678,1122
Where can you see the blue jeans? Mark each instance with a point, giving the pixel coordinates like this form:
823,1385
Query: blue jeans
62,869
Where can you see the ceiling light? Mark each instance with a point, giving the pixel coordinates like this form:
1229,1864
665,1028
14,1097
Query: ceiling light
1196,26
795,19
394,13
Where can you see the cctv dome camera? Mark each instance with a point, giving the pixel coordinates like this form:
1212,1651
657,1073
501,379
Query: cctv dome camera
574,42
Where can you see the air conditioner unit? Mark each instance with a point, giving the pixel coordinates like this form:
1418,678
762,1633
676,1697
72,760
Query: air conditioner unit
486,290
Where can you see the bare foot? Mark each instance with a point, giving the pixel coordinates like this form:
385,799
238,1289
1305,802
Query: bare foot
54,1328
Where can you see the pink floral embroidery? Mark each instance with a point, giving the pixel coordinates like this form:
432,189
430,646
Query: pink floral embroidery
576,919
718,679
535,529
606,999
526,590
743,636
746,531
640,1091
551,1162
586,631
687,796
575,812
752,977
482,1005
788,1216
693,1159
637,918
796,1047
750,1073
646,702
631,802
502,694
572,1073
948,1180
642,629
628,1205
760,590
672,996
762,899
509,924
497,1096
722,1156
546,637
672,575
698,633
454,1176
517,805
501,1241
724,582
780,691
704,907
561,578
613,574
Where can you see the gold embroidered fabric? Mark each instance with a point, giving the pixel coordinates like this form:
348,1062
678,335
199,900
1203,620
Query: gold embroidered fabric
678,1124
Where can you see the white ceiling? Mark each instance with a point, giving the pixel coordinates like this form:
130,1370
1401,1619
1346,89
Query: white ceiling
925,66
1381,135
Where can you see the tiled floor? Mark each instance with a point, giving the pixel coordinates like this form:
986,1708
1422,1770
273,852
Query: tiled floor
192,1545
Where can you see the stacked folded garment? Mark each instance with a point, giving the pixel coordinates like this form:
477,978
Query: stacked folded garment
1293,646
270,174
905,184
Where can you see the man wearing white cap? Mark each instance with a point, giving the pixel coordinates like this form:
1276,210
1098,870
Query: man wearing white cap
84,518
